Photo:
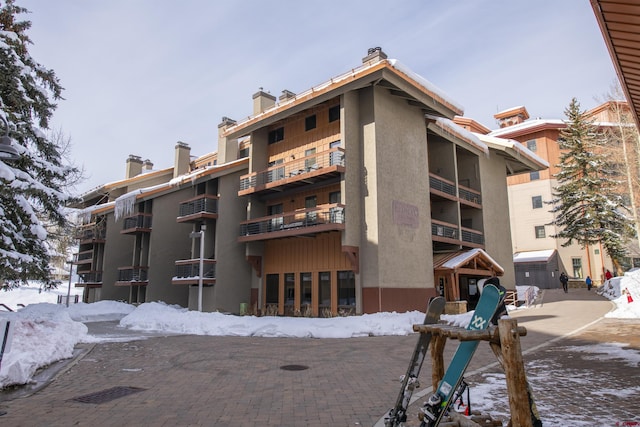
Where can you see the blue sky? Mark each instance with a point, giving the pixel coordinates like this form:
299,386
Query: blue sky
140,75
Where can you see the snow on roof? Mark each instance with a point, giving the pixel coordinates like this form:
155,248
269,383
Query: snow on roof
526,125
505,143
533,256
430,87
449,126
466,256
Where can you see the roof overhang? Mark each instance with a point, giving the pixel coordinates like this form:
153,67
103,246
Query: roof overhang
518,158
474,261
398,79
619,22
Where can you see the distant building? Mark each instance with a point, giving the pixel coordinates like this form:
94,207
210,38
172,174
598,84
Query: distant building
359,195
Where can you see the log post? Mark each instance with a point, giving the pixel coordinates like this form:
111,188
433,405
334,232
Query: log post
437,359
514,373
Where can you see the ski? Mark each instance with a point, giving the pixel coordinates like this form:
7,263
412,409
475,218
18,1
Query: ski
438,404
398,414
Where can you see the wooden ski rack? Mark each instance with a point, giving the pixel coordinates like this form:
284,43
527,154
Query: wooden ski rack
505,344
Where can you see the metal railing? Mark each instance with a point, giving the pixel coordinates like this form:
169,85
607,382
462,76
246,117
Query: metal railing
83,256
91,232
90,277
204,203
440,184
442,229
472,236
470,195
140,220
296,169
190,269
133,274
301,218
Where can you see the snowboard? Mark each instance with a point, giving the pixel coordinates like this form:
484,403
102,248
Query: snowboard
398,414
437,405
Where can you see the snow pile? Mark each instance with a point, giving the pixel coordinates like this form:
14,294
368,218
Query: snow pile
100,311
42,334
624,291
156,316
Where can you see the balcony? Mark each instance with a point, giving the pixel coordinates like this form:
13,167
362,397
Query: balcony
307,170
444,232
128,276
201,207
91,233
187,272
90,279
301,222
84,257
136,224
444,189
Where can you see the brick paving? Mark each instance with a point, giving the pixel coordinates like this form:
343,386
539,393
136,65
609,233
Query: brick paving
205,381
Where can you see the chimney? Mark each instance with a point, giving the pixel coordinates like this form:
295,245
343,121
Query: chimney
375,54
147,165
227,148
512,116
286,95
262,101
182,159
134,166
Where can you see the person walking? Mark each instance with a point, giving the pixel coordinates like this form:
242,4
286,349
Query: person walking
564,279
589,282
608,275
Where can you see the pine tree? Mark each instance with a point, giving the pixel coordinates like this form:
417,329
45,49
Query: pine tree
32,188
588,208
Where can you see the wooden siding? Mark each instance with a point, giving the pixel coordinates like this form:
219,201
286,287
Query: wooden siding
296,140
547,148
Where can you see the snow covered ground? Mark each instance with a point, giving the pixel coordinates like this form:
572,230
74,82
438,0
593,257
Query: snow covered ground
44,332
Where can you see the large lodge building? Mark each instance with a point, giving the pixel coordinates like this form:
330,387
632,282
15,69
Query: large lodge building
367,193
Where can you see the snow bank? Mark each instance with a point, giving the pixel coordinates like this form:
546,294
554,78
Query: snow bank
624,291
156,316
42,334
100,311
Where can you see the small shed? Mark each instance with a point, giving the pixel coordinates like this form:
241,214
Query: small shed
538,268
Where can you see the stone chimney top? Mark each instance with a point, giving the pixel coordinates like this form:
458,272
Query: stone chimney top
286,94
134,166
182,162
374,54
262,101
226,121
147,165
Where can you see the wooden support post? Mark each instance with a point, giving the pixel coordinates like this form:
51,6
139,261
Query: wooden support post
437,359
514,373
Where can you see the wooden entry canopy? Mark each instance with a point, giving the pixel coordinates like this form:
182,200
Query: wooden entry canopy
448,267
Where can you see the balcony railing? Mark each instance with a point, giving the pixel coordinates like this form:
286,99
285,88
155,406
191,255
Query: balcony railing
469,195
437,183
132,276
90,278
84,257
472,236
140,222
187,271
302,221
91,231
444,230
202,206
314,166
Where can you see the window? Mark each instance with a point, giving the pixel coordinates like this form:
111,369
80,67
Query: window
346,289
243,153
276,135
532,145
576,263
536,201
310,203
289,288
334,113
540,234
305,289
310,122
275,223
310,163
324,289
334,197
534,175
271,293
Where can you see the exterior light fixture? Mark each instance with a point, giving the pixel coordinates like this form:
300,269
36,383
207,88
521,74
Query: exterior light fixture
7,150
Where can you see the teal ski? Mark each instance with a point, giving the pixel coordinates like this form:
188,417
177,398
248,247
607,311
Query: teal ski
438,404
398,414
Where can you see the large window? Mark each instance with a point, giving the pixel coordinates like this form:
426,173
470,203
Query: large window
276,135
346,289
576,263
305,289
536,201
324,290
289,289
271,292
540,234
